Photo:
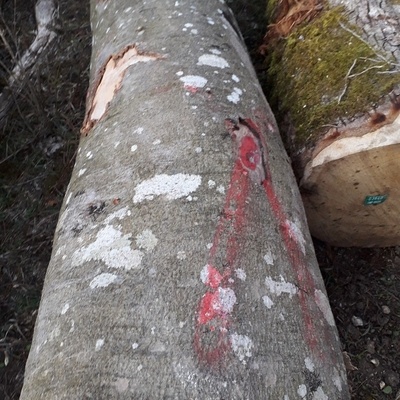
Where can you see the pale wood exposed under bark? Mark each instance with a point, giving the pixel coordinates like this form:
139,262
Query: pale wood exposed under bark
182,266
349,170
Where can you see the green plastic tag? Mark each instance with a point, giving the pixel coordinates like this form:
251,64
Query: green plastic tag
374,200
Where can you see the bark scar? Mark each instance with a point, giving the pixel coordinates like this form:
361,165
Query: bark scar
109,80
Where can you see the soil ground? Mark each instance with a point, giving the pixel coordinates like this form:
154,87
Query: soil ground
37,150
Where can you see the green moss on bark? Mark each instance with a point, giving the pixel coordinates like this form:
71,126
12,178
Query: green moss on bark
307,74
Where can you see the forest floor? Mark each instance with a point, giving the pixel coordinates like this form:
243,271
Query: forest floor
37,152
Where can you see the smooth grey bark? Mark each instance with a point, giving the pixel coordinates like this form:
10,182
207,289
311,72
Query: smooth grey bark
181,268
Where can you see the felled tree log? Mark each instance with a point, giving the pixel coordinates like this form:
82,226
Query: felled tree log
182,266
334,72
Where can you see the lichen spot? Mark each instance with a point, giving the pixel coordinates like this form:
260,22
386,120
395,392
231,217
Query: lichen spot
302,390
241,346
267,302
146,240
234,97
112,247
279,287
133,148
82,171
309,364
212,60
320,395
193,81
171,187
269,258
241,274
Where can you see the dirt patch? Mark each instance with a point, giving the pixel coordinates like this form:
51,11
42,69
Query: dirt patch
37,148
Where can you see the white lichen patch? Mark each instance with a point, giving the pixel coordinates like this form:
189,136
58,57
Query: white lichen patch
235,78
194,81
239,272
323,304
212,60
309,364
234,97
337,380
181,255
226,300
171,186
269,258
279,287
267,302
111,247
99,344
241,346
302,390
211,184
220,189
133,148
119,214
146,240
139,130
103,280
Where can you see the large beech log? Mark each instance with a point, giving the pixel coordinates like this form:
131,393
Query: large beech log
335,78
182,265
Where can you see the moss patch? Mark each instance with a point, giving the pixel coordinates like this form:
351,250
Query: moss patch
307,74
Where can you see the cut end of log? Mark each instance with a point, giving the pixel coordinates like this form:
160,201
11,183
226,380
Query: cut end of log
351,184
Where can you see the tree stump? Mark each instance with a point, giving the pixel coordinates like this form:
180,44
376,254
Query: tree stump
334,79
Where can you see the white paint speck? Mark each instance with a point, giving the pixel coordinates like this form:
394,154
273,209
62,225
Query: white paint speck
194,81
241,345
268,258
116,145
179,73
157,141
82,171
267,302
146,240
65,309
302,390
99,344
103,280
309,364
140,367
111,247
210,21
234,97
89,155
198,150
211,184
279,287
188,25
323,304
240,274
171,186
133,148
213,60
135,346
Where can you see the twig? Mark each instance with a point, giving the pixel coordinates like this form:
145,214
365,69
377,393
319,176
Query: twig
346,78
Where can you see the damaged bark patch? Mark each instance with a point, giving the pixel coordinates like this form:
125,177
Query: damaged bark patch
109,81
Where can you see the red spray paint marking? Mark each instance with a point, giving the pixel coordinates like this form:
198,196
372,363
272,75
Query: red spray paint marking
304,278
211,339
251,166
